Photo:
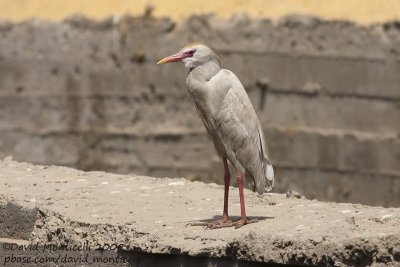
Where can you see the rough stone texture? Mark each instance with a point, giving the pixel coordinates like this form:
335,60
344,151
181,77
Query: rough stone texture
88,94
145,217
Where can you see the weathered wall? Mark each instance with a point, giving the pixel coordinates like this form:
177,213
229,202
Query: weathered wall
89,94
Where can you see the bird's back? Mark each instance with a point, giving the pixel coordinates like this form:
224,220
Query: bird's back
232,124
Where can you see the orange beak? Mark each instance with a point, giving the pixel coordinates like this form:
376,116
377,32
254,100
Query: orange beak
173,58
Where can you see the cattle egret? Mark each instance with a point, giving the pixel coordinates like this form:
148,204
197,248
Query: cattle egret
231,122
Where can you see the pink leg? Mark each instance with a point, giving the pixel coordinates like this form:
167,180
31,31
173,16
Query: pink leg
243,219
225,222
225,219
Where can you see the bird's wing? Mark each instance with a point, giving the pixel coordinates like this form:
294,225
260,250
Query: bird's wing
239,129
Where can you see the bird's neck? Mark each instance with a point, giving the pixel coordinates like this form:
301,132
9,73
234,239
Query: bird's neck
205,71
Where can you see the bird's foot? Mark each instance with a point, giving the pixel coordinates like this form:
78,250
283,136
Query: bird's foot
237,224
224,223
210,225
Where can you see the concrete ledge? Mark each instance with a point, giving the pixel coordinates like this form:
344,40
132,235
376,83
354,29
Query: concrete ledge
143,219
87,94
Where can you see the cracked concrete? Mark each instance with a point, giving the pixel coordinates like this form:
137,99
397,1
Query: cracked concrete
147,216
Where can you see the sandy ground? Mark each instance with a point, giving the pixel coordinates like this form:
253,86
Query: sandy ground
362,11
150,214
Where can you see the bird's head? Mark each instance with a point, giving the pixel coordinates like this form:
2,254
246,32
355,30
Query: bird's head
193,55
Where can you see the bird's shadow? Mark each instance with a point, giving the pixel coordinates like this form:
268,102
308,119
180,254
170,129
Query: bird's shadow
232,218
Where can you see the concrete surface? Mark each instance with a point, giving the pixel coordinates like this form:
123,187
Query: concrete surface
145,216
88,94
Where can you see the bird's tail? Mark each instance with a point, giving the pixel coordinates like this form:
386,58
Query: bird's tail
266,181
269,175
268,170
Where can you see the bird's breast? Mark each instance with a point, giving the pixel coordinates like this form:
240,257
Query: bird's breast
206,117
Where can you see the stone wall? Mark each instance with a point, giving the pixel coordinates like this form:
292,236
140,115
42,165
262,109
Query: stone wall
88,94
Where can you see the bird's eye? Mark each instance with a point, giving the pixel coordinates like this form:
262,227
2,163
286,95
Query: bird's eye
190,53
